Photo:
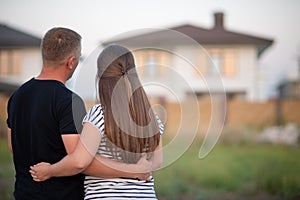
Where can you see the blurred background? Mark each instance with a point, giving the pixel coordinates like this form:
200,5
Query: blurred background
224,70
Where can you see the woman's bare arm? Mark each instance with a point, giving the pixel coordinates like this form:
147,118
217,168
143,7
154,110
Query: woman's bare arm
75,162
107,168
157,158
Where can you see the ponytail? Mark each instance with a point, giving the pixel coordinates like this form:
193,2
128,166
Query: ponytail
130,124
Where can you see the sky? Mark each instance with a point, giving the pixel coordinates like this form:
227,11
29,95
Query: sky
100,20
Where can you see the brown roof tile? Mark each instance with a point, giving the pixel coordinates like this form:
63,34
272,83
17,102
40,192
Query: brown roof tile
217,35
13,38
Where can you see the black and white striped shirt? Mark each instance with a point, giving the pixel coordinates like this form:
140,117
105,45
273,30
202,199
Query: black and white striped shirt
115,188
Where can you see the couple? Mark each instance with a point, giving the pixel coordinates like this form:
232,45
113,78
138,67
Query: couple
120,138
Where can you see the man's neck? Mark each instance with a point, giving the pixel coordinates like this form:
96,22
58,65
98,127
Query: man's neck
52,73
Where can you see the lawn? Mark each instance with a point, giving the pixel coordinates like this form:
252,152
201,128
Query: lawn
231,171
6,172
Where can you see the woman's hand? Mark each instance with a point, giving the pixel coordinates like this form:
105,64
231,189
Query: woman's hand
41,171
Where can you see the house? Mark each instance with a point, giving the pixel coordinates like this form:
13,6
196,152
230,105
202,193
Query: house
188,59
290,90
19,58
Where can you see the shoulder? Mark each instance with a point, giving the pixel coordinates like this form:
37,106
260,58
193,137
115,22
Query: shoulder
24,88
95,110
21,88
66,96
95,116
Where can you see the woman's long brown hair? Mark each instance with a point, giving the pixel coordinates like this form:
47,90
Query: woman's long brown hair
130,124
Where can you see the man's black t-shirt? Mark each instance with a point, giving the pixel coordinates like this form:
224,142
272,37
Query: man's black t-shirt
39,112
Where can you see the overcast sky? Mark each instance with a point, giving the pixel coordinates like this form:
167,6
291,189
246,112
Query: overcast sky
99,20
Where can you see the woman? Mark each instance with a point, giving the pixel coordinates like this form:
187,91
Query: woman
123,127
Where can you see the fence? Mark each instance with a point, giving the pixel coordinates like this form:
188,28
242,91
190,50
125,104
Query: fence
238,113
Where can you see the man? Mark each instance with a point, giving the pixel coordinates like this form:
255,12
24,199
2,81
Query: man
44,119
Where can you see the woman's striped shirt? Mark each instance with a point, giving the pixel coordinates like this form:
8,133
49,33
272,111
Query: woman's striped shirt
115,188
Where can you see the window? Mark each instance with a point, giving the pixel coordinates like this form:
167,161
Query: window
151,68
152,63
215,65
9,62
139,62
201,62
230,62
221,61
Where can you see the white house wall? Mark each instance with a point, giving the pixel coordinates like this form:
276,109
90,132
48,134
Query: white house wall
183,65
247,62
31,64
244,81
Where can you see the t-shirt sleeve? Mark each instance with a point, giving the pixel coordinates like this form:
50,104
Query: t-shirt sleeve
95,116
71,112
9,108
160,125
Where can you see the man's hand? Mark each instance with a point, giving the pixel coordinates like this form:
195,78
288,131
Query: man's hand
144,165
41,171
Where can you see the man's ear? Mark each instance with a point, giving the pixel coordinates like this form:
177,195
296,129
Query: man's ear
70,62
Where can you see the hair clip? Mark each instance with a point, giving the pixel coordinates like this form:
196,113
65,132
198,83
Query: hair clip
124,72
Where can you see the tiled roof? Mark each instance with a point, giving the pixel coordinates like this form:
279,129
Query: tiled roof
217,35
12,38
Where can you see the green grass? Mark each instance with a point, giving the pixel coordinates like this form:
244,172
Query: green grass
237,171
231,172
6,172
